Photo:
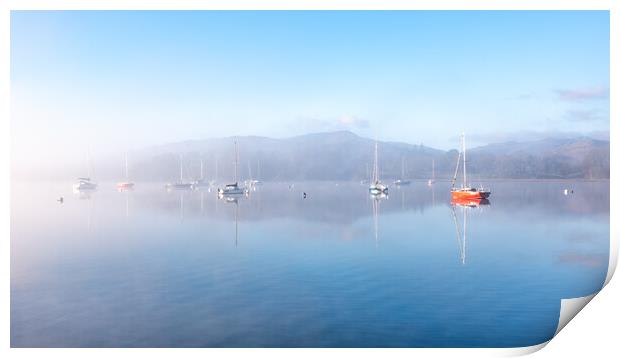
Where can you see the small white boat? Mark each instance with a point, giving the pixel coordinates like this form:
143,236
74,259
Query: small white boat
402,180
431,181
376,187
233,189
202,182
180,185
84,184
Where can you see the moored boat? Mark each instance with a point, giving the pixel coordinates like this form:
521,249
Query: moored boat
233,189
431,181
376,186
402,181
466,191
125,185
84,184
180,185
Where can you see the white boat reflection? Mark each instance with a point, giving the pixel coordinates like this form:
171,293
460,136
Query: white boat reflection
234,200
376,200
84,193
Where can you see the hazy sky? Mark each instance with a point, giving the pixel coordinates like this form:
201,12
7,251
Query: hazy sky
121,80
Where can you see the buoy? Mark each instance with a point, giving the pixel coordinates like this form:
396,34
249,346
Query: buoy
304,194
60,200
565,191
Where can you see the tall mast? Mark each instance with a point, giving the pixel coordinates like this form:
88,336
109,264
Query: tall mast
456,170
375,170
126,168
201,169
88,170
402,167
216,168
433,169
236,159
464,162
181,161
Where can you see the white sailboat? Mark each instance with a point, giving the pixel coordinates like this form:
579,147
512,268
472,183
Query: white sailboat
126,185
255,182
214,180
431,181
402,180
251,183
376,186
200,182
180,185
233,188
84,184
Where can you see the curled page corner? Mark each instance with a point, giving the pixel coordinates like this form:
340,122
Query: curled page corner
613,258
569,307
522,351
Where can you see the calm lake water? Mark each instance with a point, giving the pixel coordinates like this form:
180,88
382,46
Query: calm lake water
151,268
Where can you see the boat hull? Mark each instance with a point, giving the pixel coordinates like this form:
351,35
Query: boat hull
84,187
231,192
124,186
470,194
179,186
378,188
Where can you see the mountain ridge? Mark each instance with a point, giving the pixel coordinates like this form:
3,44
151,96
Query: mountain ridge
344,155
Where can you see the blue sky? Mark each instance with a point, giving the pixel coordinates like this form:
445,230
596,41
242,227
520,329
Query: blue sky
131,79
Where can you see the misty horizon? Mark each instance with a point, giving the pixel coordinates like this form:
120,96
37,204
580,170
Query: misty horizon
335,155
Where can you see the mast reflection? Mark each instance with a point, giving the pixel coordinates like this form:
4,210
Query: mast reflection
233,199
461,236
376,200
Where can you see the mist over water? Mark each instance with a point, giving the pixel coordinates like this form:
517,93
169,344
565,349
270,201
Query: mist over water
157,268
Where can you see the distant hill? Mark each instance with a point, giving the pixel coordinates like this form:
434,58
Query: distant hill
549,158
344,155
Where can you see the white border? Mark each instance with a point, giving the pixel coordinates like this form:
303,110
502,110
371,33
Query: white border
576,342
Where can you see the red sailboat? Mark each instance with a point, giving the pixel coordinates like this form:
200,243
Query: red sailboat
466,192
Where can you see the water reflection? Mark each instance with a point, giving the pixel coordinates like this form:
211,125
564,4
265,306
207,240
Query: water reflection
376,201
345,205
307,273
84,194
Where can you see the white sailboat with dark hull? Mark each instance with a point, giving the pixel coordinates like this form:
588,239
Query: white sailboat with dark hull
402,180
376,186
201,182
233,189
84,184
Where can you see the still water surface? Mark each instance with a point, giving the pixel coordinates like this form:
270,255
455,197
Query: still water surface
151,268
